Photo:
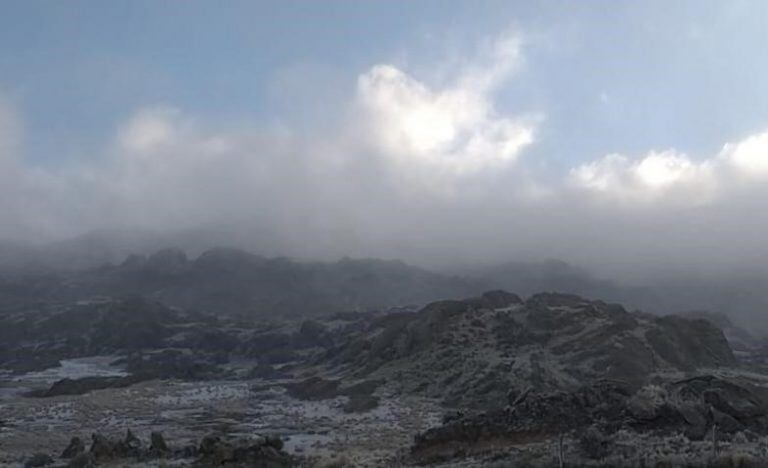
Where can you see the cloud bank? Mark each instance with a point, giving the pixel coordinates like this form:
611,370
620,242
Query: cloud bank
432,173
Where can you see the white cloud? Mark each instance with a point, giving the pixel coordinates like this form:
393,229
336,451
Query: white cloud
749,156
656,176
671,176
454,131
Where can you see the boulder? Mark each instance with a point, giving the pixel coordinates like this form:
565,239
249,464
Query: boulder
157,444
130,446
76,447
102,448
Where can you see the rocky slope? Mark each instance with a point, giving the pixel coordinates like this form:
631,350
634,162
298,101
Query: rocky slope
510,378
476,352
609,424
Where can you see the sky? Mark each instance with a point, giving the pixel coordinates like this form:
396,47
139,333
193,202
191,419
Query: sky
623,135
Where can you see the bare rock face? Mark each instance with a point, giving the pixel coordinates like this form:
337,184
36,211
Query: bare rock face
690,343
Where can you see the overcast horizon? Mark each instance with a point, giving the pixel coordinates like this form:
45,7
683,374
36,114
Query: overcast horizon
625,139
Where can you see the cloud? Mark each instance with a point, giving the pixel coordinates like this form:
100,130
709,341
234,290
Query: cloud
402,159
453,131
149,130
666,174
748,156
429,172
671,176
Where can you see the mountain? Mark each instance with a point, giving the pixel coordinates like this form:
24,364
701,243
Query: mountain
232,281
310,287
112,246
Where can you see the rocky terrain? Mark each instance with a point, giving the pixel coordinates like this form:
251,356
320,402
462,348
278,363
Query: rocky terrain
473,353
219,280
115,367
233,282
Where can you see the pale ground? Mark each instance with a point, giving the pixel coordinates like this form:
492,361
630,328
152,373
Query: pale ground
186,411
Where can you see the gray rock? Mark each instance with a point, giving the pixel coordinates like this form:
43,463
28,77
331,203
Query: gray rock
157,444
725,422
76,447
102,448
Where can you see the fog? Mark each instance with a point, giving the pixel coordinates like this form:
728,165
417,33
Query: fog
426,170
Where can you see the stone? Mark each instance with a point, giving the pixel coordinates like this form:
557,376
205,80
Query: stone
274,441
157,443
102,448
76,447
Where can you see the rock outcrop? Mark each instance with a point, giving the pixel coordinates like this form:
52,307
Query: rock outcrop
256,452
592,413
472,352
76,447
213,450
360,395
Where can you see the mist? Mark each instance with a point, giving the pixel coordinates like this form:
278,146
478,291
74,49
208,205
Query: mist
426,169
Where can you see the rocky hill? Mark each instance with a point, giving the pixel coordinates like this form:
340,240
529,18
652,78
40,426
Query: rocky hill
480,352
230,281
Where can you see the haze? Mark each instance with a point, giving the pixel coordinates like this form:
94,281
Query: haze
631,139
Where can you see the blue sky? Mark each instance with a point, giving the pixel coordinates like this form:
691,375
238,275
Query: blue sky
682,74
370,127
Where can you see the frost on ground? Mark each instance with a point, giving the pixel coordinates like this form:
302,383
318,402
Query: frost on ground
186,411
